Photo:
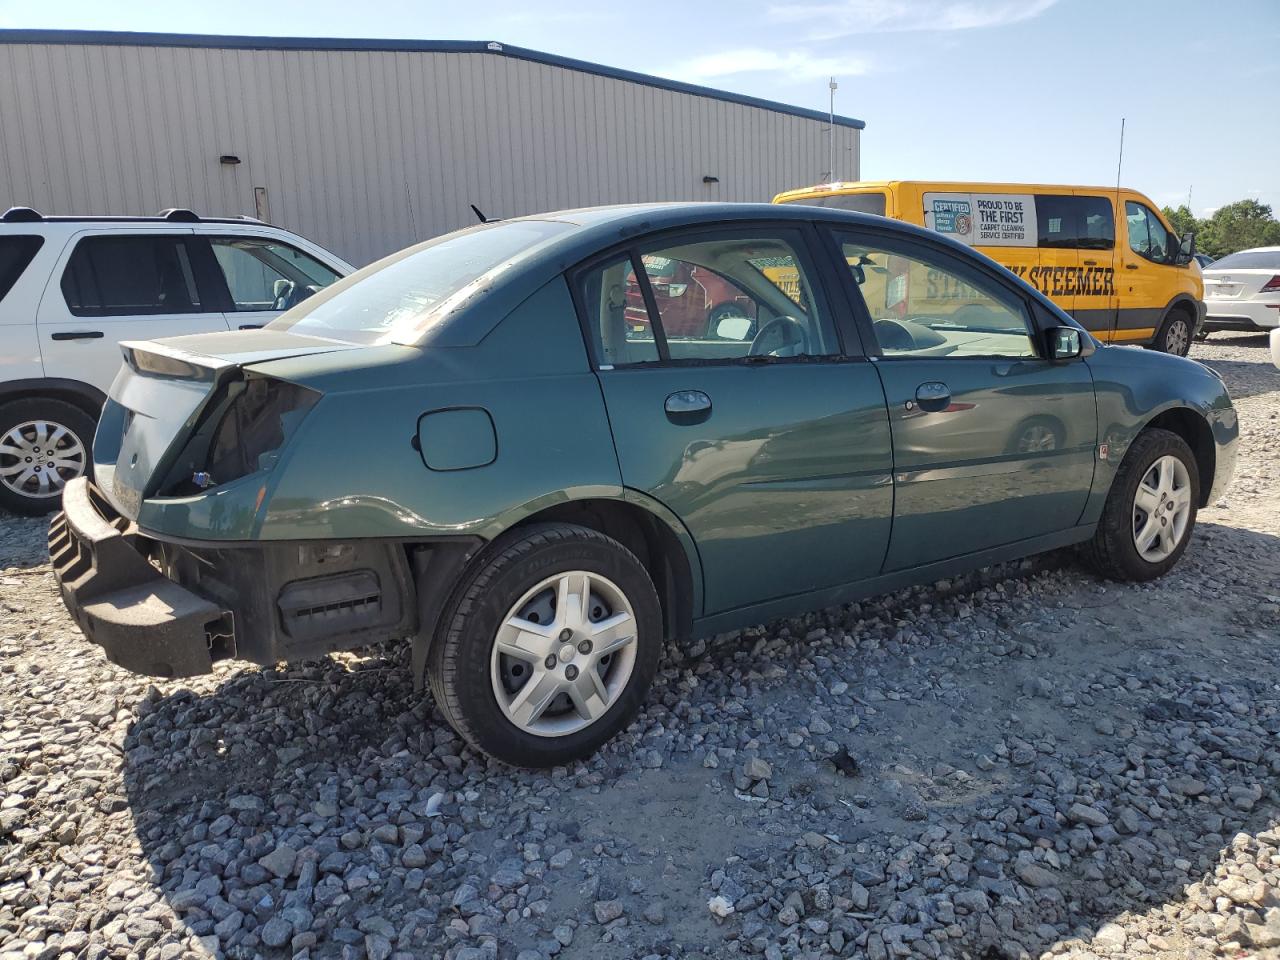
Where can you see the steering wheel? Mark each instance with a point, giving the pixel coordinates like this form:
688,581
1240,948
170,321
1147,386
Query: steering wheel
782,336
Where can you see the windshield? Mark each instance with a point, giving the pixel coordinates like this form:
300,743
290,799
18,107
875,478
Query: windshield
1249,260
857,202
399,298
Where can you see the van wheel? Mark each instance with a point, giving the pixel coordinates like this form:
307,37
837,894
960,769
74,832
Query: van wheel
1150,511
1174,335
548,647
43,443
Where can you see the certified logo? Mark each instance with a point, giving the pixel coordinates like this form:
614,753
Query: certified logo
964,223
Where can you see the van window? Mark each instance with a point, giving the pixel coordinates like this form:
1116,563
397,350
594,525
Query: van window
1147,236
121,276
1075,222
857,202
15,254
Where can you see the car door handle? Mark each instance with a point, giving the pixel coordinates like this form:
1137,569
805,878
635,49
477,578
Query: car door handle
250,326
78,335
686,407
1090,263
932,396
1131,266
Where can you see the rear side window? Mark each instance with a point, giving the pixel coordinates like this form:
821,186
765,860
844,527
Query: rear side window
15,254
131,276
1075,222
857,202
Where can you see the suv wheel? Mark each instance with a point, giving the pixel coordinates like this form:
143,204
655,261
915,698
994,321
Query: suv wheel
43,443
1150,511
548,647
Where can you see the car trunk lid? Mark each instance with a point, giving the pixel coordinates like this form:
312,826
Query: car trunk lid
160,394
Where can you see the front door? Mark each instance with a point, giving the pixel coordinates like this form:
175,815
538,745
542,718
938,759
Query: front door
109,286
768,441
1144,272
992,444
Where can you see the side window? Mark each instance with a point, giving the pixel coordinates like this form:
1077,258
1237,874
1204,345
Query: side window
268,275
1097,223
1057,221
1083,222
617,318
712,297
1147,236
15,255
121,276
930,305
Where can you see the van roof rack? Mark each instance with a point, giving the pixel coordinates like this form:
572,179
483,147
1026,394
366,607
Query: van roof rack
21,215
178,214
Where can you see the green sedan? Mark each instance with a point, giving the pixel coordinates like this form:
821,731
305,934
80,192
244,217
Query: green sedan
521,445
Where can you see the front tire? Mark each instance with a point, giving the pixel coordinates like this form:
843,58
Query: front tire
1174,335
548,647
1151,510
44,442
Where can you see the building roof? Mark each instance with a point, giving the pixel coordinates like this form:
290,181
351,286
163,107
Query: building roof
126,39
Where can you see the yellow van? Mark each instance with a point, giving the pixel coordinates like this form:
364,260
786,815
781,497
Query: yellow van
1143,287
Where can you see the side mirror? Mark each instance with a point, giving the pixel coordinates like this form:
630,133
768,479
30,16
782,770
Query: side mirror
733,328
1187,249
1065,343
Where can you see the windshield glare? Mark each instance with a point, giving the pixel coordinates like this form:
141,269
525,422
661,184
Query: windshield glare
399,298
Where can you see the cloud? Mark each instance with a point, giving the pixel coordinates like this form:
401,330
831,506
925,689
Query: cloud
793,65
846,17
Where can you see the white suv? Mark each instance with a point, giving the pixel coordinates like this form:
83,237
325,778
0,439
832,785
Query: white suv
71,288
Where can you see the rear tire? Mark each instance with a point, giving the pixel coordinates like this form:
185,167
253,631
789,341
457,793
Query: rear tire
44,442
585,679
1174,335
1115,550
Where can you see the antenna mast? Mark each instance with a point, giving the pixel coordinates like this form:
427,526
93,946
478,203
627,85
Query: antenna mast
1120,161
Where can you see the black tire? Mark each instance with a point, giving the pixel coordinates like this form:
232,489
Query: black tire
1113,552
1174,335
51,411
459,663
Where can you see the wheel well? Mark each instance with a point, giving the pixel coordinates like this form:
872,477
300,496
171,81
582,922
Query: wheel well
87,398
653,543
1194,429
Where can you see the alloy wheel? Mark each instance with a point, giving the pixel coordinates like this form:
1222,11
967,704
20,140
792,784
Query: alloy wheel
563,653
1161,508
1177,339
38,457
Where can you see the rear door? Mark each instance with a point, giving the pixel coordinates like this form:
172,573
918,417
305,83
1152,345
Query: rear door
264,276
110,286
766,439
1095,223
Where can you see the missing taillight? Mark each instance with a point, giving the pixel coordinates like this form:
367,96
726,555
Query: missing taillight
245,429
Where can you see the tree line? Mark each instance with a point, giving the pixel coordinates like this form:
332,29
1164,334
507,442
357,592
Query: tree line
1237,226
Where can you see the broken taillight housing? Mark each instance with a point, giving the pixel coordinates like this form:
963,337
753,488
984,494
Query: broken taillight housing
243,432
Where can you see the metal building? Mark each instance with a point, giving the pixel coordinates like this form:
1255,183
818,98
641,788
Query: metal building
369,145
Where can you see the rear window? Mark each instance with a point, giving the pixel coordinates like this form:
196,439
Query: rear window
15,254
1249,260
397,299
857,202
129,276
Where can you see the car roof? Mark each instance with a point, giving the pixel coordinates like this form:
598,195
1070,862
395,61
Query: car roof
597,229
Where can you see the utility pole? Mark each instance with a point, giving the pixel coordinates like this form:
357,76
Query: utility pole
831,132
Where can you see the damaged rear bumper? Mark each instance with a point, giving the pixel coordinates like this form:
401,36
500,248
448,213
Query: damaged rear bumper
169,609
143,621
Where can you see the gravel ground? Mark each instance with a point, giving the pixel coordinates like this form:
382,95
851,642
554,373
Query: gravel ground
1026,762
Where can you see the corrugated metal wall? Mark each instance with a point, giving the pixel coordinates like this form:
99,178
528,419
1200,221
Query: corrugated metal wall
368,151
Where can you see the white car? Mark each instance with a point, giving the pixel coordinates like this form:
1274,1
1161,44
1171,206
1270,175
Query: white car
71,288
1275,346
1242,291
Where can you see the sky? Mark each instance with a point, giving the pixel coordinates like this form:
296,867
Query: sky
1005,90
